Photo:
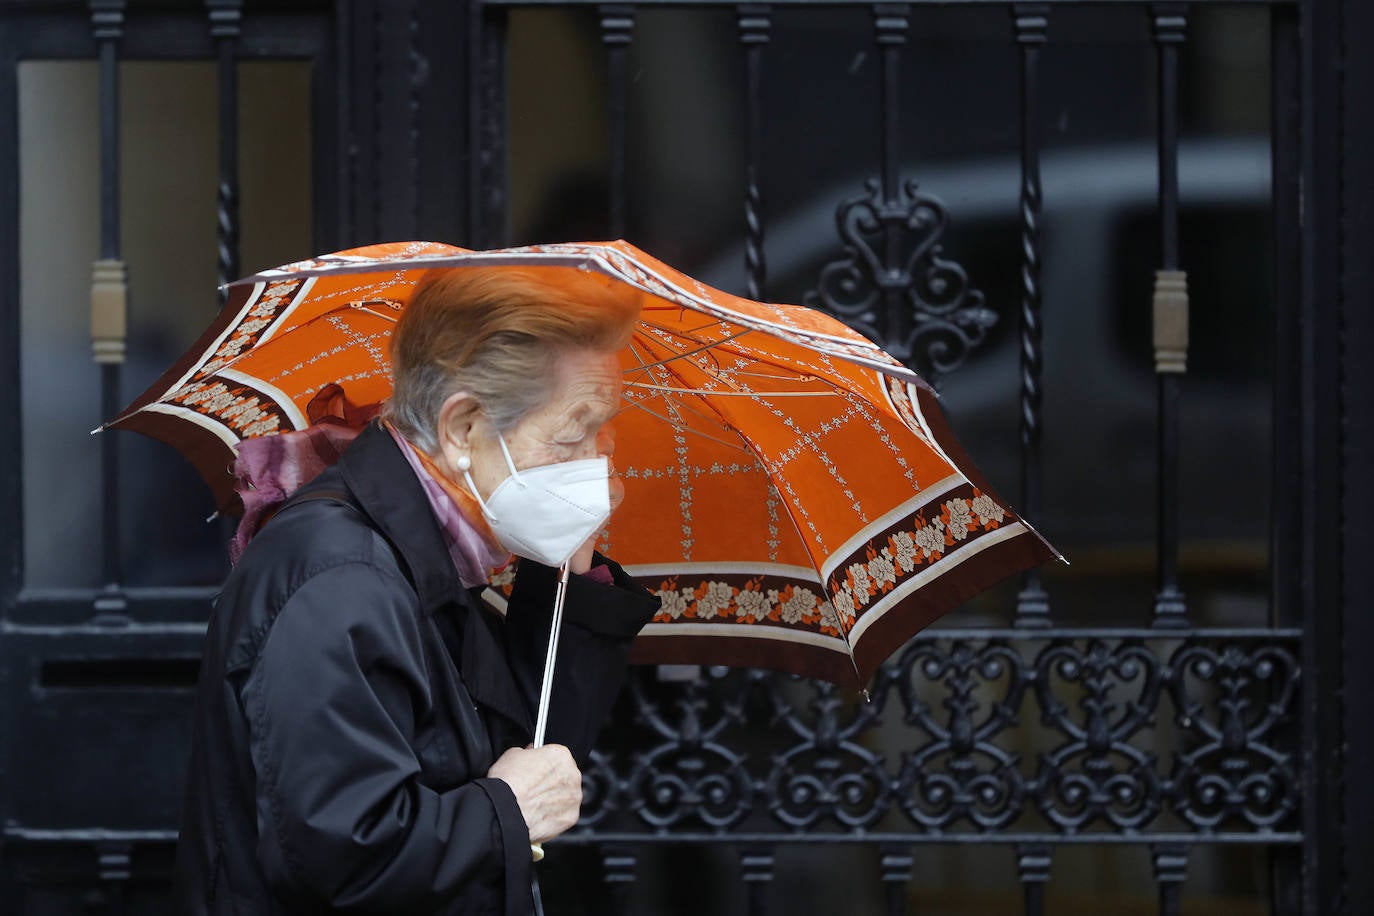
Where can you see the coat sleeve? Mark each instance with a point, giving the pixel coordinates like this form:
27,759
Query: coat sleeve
331,703
599,623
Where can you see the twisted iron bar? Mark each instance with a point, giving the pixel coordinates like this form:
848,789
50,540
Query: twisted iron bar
1031,21
226,222
1030,34
225,26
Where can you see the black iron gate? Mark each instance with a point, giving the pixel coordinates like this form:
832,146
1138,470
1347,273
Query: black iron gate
1036,731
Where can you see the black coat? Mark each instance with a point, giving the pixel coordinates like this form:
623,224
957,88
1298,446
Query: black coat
353,695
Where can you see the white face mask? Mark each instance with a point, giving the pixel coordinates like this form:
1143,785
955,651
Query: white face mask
545,513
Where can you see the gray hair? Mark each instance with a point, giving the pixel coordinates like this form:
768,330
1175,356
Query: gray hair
496,333
499,378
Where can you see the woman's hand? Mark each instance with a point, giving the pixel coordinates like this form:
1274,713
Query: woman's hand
547,786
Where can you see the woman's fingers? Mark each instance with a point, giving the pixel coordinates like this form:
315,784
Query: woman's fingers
547,785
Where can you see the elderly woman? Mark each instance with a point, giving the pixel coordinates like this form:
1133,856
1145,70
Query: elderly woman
364,720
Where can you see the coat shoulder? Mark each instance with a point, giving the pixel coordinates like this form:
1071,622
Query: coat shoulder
301,545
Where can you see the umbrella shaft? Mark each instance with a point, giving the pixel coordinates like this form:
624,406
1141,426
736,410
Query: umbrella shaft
546,688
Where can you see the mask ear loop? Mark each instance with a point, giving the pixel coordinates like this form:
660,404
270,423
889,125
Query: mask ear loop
510,462
465,465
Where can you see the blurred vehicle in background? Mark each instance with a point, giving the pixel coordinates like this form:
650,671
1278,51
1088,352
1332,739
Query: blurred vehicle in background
1099,247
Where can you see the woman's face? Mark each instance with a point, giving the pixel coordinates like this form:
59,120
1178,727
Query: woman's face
574,425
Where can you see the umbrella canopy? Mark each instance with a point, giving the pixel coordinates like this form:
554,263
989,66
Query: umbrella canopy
793,493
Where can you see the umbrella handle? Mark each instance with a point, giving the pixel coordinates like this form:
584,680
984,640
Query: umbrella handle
537,852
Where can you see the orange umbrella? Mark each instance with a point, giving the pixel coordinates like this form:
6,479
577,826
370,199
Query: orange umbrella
793,493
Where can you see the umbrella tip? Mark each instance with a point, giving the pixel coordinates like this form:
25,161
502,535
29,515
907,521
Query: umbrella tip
1065,560
98,429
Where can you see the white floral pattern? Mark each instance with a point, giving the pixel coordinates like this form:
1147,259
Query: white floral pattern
931,538
987,510
852,588
801,604
958,518
675,601
881,570
718,597
904,550
754,604
858,577
843,602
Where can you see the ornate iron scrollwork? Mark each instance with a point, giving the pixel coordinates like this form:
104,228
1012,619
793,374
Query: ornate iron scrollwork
1136,735
1232,701
894,284
1098,774
827,773
690,775
962,773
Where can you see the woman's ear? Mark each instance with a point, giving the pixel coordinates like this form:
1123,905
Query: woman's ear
458,417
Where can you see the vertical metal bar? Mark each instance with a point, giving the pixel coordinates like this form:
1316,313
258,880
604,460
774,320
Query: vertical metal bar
1286,165
417,73
108,292
11,436
1171,869
1324,38
225,20
1170,21
488,190
358,62
1355,443
333,136
477,113
396,112
1285,510
11,405
1033,868
754,25
107,27
896,865
890,24
757,865
1030,22
619,866
617,28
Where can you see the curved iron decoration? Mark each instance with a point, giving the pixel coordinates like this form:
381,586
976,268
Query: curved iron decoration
894,284
1137,736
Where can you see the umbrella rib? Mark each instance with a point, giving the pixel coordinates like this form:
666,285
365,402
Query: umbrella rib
713,419
702,392
687,429
753,356
724,374
702,348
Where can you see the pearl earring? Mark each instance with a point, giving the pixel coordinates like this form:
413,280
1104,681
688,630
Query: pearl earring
464,463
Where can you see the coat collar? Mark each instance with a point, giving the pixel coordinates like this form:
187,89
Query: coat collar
388,492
